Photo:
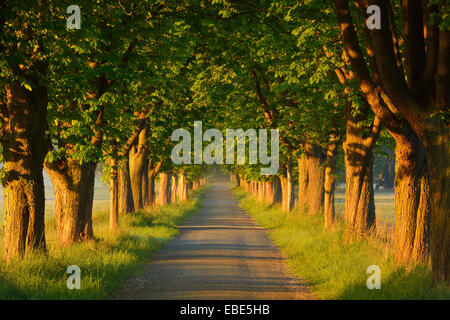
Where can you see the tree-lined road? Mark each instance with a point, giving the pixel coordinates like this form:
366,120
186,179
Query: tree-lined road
221,253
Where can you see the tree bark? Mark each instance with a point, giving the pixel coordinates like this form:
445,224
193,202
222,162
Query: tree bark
261,190
254,188
114,195
173,188
328,207
164,189
315,185
138,161
24,148
151,187
277,192
287,187
302,183
438,157
145,187
182,187
311,177
412,200
359,200
189,188
237,180
152,171
125,195
73,184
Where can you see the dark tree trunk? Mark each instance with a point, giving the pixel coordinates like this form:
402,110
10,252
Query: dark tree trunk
114,196
125,202
151,185
277,192
189,188
328,207
438,157
269,192
145,187
23,136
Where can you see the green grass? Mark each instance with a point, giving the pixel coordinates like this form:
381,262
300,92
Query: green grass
104,262
336,269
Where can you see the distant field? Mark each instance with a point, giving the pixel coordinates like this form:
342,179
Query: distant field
384,206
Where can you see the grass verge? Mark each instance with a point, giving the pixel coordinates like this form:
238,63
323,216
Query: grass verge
337,269
104,262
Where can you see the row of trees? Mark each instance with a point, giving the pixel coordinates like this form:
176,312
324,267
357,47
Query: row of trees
111,92
318,74
116,89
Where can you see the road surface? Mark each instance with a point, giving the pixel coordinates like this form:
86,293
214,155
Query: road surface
221,253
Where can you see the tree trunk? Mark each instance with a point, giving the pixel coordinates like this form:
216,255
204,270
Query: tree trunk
125,195
268,194
302,183
438,157
24,149
314,195
244,184
114,196
254,188
182,187
164,189
287,187
412,200
145,187
173,188
151,186
138,162
74,193
418,103
359,201
277,192
188,188
328,207
261,191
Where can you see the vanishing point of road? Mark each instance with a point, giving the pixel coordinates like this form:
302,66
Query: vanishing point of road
221,253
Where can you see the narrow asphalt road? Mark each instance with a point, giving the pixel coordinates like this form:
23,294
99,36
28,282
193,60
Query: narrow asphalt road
221,253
